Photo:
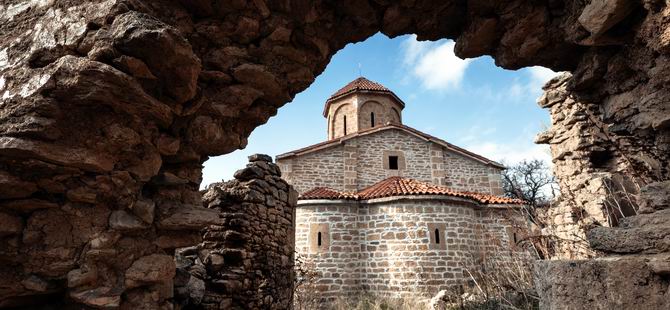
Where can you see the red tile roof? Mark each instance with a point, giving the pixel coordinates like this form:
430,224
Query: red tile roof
399,186
360,84
425,136
326,193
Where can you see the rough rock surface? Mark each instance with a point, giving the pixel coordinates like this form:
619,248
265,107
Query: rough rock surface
605,283
245,262
108,102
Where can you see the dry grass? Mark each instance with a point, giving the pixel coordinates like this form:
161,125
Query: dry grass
305,293
370,302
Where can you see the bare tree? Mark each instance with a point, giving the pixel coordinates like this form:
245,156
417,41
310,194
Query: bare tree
531,181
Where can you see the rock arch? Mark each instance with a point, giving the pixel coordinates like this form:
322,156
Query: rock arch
109,108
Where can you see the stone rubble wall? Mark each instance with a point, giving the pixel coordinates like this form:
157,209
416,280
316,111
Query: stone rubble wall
610,146
245,261
385,249
601,168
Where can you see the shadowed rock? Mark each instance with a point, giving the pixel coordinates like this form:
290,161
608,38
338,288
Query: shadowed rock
106,103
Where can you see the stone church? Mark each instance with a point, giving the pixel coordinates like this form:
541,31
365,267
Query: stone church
388,209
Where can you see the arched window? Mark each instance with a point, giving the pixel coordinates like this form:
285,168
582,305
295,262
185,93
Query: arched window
437,236
318,239
372,119
345,125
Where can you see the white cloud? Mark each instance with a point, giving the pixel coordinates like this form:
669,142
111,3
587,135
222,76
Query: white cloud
512,153
527,87
539,76
434,63
476,132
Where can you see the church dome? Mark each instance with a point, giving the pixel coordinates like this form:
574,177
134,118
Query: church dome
359,105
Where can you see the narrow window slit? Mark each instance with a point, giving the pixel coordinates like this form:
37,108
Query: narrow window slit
372,119
437,236
345,125
318,239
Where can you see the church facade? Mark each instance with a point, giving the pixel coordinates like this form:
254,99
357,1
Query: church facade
390,210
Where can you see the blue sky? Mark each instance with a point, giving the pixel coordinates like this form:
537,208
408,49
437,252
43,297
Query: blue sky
470,103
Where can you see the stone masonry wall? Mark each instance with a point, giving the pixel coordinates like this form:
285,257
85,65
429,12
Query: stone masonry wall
357,107
361,162
338,264
323,168
462,173
399,254
371,159
386,110
389,248
246,261
346,106
496,230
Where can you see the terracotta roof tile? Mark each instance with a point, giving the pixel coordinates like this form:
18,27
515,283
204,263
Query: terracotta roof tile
399,186
326,193
360,83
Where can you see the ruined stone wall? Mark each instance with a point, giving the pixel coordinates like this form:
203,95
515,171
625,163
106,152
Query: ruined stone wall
389,247
246,260
111,107
607,167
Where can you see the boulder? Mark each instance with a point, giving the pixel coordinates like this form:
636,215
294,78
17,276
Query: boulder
167,54
603,283
122,220
601,15
79,277
100,298
28,205
149,270
249,173
10,224
13,187
58,154
260,157
144,209
187,217
655,196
